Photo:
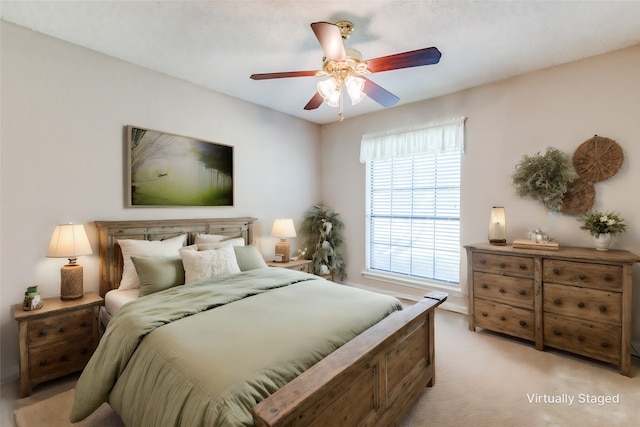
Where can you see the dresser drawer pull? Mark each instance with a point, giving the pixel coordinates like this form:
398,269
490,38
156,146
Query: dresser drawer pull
61,329
83,324
602,309
522,292
604,344
43,362
522,267
502,265
557,332
502,291
608,277
484,314
485,286
556,271
557,301
84,351
483,261
503,318
64,358
523,323
581,304
580,338
43,332
581,276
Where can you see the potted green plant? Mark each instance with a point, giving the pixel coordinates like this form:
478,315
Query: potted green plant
545,177
601,226
322,228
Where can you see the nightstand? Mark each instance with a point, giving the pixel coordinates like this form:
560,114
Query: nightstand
57,339
300,265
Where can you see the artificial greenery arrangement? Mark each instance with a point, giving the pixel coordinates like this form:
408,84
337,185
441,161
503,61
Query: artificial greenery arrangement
545,177
597,222
323,230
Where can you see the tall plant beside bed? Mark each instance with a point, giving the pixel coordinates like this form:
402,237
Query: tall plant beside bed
322,228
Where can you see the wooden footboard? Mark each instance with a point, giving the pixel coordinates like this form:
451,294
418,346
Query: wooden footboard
373,380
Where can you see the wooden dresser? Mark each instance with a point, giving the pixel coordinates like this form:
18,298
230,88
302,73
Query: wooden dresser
57,339
574,299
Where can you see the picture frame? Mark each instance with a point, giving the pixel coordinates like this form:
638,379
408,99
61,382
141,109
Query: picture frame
169,170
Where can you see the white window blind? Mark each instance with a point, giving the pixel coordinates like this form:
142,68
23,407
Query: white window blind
413,206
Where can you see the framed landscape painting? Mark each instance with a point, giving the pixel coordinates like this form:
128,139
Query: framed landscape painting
172,170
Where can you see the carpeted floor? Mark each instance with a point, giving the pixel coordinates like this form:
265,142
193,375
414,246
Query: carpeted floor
482,379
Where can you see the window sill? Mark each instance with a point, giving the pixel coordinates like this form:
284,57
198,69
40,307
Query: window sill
414,283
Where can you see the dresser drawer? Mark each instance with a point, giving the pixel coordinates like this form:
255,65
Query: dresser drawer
48,362
63,328
583,303
510,320
597,340
503,264
582,274
511,290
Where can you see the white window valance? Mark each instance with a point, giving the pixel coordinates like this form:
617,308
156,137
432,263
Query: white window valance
437,137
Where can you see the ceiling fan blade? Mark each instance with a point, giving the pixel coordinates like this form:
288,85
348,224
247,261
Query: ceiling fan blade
330,39
314,102
414,58
379,94
282,75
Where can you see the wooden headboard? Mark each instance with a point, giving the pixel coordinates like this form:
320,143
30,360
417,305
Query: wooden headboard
111,231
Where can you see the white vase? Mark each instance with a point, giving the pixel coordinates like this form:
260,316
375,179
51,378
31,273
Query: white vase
602,242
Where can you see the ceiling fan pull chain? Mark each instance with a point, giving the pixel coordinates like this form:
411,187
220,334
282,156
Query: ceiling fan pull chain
340,113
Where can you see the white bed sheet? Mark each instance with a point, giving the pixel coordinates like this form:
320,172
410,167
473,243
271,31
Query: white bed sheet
115,298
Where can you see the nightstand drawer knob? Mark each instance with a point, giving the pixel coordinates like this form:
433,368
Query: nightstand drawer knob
581,304
502,291
581,276
503,318
64,358
581,338
556,271
557,332
43,362
83,324
522,266
602,309
43,332
557,301
523,323
485,286
608,277
84,351
522,292
483,261
503,265
485,314
62,329
604,345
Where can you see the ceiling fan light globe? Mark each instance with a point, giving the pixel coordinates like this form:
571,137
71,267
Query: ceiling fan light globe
329,90
355,88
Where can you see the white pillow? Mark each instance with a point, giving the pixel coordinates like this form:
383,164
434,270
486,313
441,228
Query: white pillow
133,247
209,238
217,245
200,265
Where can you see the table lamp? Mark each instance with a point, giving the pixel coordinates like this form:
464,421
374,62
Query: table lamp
70,241
283,228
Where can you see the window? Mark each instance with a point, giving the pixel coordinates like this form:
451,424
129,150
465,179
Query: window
413,201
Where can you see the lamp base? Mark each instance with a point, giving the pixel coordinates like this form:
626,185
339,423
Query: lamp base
71,282
284,250
498,242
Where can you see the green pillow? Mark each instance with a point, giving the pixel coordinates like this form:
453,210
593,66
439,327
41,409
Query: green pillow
249,258
158,273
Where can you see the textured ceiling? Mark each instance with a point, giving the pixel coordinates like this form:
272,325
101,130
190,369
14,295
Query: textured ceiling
219,44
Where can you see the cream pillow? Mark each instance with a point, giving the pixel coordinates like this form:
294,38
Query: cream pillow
140,248
209,238
217,245
200,265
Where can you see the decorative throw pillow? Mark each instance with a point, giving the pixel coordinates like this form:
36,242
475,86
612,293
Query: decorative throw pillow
158,273
209,238
132,247
200,265
249,258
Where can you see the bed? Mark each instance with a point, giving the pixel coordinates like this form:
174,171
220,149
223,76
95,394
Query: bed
369,372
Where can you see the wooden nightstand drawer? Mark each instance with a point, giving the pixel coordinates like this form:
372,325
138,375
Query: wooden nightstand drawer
512,290
582,274
503,264
600,341
583,303
510,320
298,265
63,328
46,362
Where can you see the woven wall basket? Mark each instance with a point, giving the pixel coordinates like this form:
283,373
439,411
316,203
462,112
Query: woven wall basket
579,197
597,159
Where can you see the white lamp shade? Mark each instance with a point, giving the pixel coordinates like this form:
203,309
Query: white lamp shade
69,241
330,91
283,228
355,87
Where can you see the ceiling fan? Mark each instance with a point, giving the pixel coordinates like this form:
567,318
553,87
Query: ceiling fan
345,66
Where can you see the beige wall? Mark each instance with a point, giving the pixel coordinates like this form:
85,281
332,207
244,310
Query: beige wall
64,109
561,107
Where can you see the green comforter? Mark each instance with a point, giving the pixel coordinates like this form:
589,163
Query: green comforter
205,353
